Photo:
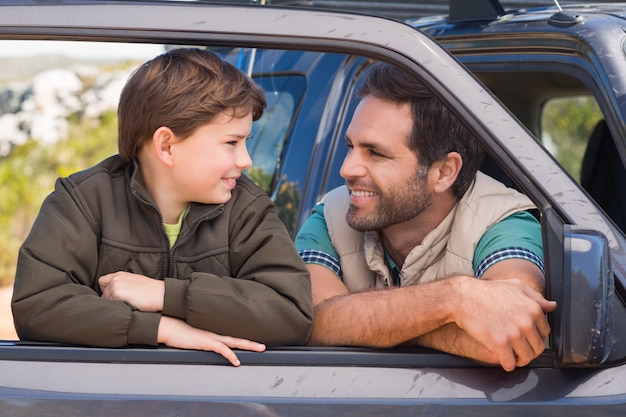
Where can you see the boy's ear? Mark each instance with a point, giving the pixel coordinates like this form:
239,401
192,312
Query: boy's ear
446,171
162,139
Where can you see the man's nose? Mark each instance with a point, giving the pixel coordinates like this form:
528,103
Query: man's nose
353,165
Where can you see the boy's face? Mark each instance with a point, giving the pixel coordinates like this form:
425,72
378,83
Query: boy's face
208,163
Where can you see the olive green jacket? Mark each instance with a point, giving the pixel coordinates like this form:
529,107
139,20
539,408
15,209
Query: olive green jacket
233,270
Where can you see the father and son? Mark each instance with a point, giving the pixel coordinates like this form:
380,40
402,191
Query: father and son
168,243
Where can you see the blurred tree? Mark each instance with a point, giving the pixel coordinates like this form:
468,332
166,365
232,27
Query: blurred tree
28,173
567,124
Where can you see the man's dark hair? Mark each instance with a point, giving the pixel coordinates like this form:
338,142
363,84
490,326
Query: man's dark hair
436,131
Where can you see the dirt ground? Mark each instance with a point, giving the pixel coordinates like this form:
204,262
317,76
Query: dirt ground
7,331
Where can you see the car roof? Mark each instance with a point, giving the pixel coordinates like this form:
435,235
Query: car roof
410,9
548,18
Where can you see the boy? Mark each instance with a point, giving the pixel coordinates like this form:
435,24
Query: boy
167,242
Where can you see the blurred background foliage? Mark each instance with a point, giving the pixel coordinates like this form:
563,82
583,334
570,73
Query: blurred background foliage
567,124
28,173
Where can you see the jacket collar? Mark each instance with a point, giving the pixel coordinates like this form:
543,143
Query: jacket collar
197,213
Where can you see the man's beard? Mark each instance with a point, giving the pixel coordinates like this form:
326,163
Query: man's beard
399,204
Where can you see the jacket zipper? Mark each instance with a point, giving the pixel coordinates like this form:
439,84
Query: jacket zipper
186,238
179,242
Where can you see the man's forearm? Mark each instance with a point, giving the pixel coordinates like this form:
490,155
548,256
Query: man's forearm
452,339
383,318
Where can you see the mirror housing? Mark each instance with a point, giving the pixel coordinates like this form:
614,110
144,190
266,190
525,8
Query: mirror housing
586,299
587,304
580,280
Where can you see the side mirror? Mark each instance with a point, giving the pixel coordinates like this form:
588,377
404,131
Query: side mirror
588,291
582,324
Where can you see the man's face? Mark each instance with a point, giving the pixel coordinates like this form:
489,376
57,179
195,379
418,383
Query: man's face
386,185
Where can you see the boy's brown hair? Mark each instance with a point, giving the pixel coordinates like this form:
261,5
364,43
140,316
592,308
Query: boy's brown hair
182,89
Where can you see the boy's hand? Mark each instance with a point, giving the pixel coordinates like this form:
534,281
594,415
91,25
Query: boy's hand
178,334
141,292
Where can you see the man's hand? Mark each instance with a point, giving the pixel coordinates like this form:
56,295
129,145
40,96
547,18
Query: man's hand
141,292
506,316
178,334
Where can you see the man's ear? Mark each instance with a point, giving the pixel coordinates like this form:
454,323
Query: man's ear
162,139
446,171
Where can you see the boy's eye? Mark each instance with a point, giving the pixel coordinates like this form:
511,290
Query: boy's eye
236,142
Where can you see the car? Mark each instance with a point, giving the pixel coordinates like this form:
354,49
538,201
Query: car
495,71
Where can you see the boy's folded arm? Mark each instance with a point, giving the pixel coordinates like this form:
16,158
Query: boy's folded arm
274,313
267,298
73,313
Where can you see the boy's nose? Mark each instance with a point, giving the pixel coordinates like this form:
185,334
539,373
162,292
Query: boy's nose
244,161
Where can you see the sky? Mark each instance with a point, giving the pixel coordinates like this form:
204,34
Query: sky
78,49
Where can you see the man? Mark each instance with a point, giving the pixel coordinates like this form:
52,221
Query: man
417,220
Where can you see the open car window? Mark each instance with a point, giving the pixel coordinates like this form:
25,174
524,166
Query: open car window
310,78
61,118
